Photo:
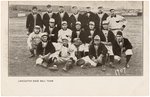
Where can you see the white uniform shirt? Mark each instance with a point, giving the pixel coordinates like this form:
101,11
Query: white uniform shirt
62,33
116,22
34,38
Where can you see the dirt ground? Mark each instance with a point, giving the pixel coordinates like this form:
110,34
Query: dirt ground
20,65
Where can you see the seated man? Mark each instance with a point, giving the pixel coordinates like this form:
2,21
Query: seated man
65,55
52,30
97,54
122,45
78,32
78,48
44,49
64,31
107,38
89,35
33,40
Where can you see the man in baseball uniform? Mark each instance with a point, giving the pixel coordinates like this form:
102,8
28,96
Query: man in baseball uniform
120,46
33,40
116,22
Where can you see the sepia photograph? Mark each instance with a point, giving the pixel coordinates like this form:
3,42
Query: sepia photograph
75,38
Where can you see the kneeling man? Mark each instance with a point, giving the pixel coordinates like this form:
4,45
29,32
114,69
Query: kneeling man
122,45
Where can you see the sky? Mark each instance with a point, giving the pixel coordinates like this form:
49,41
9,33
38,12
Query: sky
93,4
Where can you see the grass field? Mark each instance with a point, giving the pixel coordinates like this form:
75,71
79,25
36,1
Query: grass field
21,65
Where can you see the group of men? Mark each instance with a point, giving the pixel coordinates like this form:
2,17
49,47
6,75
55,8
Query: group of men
85,40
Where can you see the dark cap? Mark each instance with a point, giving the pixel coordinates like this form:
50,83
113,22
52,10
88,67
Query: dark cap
48,6
34,7
100,7
119,33
61,6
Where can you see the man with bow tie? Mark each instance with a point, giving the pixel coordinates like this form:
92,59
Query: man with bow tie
33,19
116,22
76,16
87,17
49,14
100,17
61,16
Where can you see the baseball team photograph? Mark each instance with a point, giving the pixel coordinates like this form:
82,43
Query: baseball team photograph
75,38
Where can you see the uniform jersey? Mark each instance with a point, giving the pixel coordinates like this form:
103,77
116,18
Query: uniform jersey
67,33
34,39
116,22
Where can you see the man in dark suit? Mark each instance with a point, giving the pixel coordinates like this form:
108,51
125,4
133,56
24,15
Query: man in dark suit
78,32
44,49
91,31
100,17
33,19
52,30
61,16
108,38
122,45
76,16
49,14
87,17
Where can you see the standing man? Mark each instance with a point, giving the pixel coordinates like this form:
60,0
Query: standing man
49,14
33,19
100,17
87,17
76,16
61,16
116,22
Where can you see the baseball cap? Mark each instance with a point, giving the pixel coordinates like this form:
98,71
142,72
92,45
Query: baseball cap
51,20
78,23
105,22
44,34
48,6
96,37
64,22
91,23
37,27
119,33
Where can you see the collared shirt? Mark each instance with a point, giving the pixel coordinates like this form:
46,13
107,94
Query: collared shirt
62,15
50,30
105,32
100,17
34,17
96,49
78,33
116,22
76,16
91,32
50,14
